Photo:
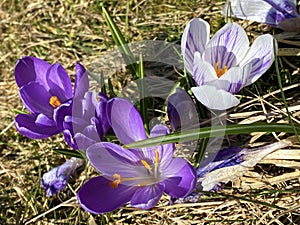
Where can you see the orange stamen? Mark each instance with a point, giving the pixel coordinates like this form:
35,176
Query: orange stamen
116,182
220,71
148,167
54,102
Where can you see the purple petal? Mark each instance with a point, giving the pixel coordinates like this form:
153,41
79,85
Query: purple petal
181,178
57,178
60,113
125,120
59,82
260,57
109,158
30,69
97,196
102,112
182,111
26,125
147,197
203,72
36,99
165,151
214,98
194,39
81,80
227,47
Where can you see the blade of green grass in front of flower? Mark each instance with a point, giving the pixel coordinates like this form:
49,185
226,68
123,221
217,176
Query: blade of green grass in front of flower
70,153
121,43
282,93
216,131
201,150
111,90
143,100
102,83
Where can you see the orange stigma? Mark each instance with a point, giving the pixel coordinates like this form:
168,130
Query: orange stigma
54,102
220,71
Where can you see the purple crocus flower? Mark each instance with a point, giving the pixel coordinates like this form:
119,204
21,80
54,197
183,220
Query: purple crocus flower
83,120
223,65
182,111
43,88
57,178
140,176
276,13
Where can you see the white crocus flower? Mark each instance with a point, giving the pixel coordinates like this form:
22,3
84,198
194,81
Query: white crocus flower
223,65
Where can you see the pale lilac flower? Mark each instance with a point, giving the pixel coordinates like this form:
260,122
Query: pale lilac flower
223,65
140,176
277,13
57,178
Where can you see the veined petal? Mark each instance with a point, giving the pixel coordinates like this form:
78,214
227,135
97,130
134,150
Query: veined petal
256,10
165,151
109,159
214,98
147,197
227,47
36,98
194,39
81,80
25,124
260,57
180,178
125,120
59,82
81,141
203,72
234,79
97,196
29,69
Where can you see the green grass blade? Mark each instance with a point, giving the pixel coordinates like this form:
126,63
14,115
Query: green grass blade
217,131
121,43
70,153
282,93
143,101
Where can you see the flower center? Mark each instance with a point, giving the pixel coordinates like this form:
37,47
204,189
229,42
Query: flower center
150,178
54,102
220,71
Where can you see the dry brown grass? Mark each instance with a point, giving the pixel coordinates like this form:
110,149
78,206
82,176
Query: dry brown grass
70,31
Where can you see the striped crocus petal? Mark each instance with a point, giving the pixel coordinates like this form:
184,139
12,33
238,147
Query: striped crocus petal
227,47
260,57
203,72
194,39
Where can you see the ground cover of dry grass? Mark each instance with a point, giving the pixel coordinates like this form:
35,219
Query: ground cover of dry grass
70,31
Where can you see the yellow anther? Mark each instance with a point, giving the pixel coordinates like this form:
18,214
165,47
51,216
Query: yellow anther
54,102
156,157
148,167
116,182
220,71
